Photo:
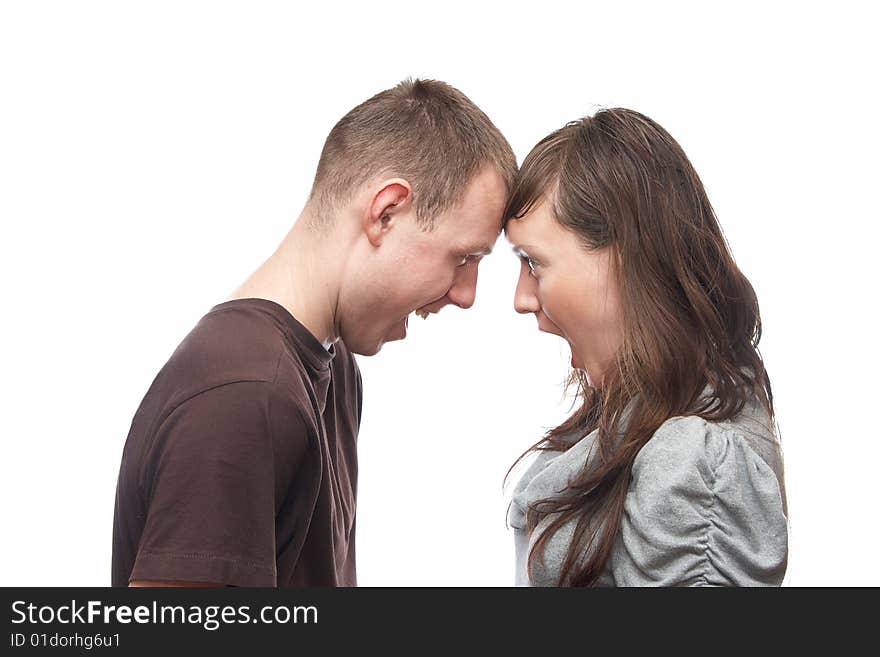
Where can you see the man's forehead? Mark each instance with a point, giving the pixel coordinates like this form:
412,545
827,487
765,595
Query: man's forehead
475,224
480,244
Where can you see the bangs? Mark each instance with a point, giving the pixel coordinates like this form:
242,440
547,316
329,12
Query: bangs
538,175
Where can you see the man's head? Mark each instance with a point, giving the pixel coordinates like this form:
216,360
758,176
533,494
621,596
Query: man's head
414,181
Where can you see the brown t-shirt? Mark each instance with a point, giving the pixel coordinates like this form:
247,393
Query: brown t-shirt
241,463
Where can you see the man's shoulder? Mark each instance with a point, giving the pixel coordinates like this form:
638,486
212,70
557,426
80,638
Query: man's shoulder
232,344
227,346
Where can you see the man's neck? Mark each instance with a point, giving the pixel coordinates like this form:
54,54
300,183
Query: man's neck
302,277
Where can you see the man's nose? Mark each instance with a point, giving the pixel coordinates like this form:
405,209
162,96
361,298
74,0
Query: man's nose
525,299
463,292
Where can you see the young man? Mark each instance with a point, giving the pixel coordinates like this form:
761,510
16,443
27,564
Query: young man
240,467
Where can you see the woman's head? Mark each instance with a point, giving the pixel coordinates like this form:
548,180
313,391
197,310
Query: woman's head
622,256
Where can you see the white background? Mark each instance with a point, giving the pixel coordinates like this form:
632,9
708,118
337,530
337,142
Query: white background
153,154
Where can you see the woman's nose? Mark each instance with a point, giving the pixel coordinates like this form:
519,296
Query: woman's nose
525,300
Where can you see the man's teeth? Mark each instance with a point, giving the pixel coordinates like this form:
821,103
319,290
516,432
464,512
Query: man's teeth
422,313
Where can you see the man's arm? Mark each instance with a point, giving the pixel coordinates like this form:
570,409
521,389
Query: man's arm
211,514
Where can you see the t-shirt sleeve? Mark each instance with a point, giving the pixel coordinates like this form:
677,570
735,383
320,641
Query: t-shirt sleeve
703,510
211,486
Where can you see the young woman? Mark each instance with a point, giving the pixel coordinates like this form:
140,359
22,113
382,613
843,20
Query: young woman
670,471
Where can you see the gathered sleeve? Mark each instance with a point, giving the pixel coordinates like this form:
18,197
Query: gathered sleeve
703,509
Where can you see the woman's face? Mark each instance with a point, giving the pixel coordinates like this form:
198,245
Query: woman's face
570,290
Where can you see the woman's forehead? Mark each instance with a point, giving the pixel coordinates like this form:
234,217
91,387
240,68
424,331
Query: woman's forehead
535,225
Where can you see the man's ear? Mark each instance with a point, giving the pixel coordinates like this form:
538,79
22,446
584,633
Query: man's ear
391,200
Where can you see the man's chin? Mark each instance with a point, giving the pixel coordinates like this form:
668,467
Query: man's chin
398,331
362,350
370,348
363,345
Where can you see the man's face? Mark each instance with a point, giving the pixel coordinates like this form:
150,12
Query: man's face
425,271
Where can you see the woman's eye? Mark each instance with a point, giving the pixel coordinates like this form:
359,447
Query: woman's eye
531,265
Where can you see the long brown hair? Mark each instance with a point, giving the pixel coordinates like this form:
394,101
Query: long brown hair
690,316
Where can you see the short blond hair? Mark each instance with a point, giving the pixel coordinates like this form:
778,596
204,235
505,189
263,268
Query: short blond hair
425,131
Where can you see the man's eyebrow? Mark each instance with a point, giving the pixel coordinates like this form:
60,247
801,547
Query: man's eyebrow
478,250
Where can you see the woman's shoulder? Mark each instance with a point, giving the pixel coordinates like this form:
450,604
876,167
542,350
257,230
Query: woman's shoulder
690,441
704,507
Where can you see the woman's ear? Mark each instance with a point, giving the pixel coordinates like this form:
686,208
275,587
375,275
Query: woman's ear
390,201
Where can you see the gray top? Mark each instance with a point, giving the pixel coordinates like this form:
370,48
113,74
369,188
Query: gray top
705,507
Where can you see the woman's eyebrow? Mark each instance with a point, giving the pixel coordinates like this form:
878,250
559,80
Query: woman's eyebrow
522,250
